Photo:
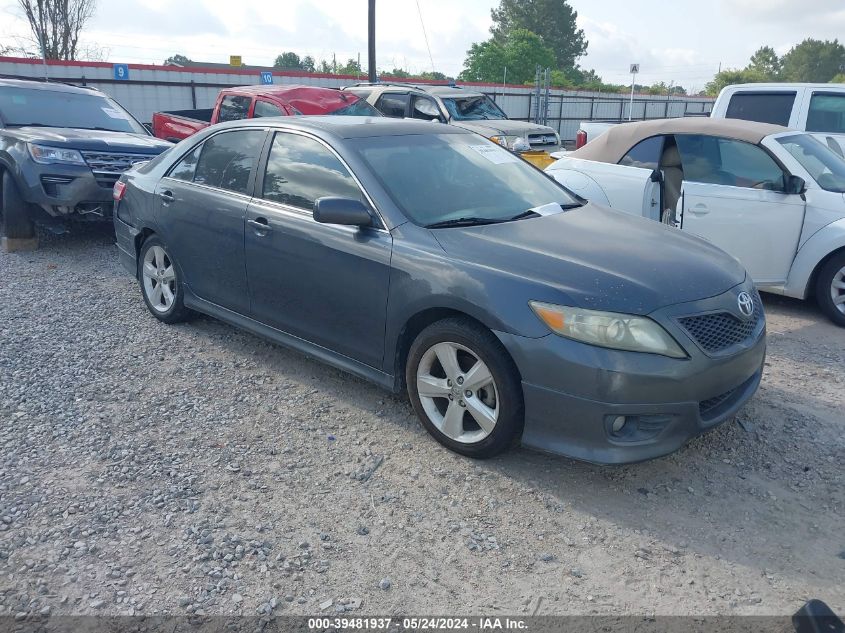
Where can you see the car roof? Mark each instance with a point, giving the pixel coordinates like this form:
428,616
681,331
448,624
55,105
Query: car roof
439,90
51,86
278,90
611,146
350,126
774,86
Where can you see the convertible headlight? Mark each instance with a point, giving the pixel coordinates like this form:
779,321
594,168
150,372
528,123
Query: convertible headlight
51,155
513,143
608,329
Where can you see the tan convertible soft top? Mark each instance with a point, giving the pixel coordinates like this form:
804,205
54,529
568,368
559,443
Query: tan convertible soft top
611,146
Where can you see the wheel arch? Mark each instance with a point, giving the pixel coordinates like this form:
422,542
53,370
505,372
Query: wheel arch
415,324
140,238
814,276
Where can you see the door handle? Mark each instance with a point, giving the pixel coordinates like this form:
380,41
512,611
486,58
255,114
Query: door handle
167,196
260,225
699,209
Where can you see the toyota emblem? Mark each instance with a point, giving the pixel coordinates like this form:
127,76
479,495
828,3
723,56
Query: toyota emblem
746,304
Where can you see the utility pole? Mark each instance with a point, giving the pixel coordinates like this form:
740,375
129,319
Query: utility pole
371,44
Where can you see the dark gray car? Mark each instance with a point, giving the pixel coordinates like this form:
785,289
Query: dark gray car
422,257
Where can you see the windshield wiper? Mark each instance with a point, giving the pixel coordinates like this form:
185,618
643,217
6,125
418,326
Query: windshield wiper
28,125
100,129
464,222
525,214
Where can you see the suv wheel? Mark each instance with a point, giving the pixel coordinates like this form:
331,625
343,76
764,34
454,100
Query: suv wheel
465,388
16,222
160,283
830,289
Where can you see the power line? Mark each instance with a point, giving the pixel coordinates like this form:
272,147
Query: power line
425,35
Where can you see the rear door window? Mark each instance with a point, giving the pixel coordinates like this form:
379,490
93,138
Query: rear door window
827,113
228,159
645,154
234,108
187,167
763,107
393,104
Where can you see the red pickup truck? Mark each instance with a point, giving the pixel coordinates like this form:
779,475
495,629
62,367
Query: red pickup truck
250,102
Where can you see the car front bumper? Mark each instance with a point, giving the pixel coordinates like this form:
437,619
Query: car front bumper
575,392
66,190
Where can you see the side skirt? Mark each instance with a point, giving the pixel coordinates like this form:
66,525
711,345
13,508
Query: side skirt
322,354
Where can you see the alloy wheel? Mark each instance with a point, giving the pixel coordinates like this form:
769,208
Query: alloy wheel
837,290
458,392
159,279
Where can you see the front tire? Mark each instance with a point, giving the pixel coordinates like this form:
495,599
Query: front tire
160,283
15,221
830,289
465,388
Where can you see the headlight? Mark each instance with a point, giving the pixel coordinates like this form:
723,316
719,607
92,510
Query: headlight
608,329
513,143
51,155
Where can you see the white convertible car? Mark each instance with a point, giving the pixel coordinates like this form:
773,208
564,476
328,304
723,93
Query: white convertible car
772,197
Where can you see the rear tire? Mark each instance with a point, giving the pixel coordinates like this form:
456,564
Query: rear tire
471,400
830,289
15,220
161,285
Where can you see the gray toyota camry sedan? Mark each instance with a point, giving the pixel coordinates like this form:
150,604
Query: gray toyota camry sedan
425,258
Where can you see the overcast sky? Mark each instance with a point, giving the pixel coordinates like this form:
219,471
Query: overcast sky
682,41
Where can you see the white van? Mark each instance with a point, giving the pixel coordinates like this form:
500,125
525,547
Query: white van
815,108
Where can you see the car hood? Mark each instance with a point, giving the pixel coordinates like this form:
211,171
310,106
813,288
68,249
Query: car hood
96,140
503,127
600,259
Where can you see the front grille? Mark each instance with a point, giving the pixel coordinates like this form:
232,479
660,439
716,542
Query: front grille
108,166
542,140
720,331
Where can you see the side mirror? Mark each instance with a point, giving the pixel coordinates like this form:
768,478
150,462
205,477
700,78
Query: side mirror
795,185
345,211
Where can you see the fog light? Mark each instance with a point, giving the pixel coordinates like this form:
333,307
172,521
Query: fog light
618,423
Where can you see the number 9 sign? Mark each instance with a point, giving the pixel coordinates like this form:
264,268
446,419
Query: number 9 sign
121,72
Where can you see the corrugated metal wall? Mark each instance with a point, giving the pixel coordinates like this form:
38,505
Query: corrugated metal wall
154,88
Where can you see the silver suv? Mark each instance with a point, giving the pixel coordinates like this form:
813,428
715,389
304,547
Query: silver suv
468,109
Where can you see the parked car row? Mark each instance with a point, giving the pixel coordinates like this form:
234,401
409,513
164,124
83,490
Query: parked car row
420,252
62,147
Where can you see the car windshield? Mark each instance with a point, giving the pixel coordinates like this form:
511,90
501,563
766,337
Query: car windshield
473,108
54,108
359,108
459,177
825,166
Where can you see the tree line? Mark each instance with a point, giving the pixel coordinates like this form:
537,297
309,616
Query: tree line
813,61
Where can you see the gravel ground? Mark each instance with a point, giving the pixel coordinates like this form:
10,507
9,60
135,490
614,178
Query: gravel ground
155,469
